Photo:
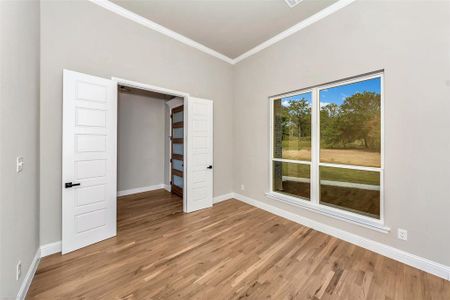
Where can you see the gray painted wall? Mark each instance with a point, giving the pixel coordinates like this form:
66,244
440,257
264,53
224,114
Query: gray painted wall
141,142
19,135
84,37
409,40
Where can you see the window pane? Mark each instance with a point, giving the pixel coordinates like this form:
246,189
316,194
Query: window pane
353,190
292,127
350,123
292,179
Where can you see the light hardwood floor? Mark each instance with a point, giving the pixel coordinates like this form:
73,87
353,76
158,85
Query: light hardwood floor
231,251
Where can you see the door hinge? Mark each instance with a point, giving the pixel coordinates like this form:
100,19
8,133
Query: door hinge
171,182
170,160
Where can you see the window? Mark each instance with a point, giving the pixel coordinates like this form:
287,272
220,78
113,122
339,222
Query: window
327,148
292,145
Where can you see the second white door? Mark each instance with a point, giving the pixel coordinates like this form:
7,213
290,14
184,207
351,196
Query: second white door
199,189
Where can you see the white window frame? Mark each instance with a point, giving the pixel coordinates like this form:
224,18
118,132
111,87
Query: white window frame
314,203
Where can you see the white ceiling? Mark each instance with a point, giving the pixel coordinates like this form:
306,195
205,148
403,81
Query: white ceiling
230,27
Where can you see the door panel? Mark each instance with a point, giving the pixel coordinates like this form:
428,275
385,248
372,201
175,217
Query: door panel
87,169
89,195
200,154
89,159
90,117
90,143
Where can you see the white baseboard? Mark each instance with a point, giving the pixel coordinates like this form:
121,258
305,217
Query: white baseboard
141,189
224,197
29,276
410,259
168,187
49,249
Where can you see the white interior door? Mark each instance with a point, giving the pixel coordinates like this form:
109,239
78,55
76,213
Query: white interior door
199,187
89,160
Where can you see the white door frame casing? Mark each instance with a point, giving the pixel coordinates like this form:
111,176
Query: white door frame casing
157,89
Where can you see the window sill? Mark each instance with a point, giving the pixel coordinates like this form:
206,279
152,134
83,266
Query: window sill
349,217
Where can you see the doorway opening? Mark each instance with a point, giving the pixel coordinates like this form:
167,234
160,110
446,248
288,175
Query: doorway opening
150,144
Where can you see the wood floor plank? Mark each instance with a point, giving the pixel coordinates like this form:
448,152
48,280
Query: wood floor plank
231,251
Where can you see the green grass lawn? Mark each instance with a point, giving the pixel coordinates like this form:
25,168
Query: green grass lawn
328,173
348,175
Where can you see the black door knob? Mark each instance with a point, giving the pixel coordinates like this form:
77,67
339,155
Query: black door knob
209,167
70,184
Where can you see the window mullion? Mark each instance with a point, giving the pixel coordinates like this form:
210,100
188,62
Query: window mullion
315,147
301,162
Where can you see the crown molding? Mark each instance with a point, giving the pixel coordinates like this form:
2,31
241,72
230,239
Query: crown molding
297,27
159,28
187,41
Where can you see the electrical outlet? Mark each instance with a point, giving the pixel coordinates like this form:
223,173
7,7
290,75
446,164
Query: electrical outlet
242,187
402,234
18,270
19,164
